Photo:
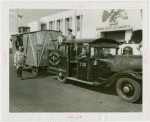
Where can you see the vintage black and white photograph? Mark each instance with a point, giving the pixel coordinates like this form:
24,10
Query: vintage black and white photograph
75,60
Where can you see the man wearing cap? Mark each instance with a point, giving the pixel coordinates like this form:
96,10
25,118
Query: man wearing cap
70,36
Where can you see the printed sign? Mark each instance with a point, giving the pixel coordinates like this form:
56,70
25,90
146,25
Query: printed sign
82,64
114,27
54,58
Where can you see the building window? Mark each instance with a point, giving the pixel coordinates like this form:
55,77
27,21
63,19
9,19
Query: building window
68,24
43,27
52,25
59,25
78,23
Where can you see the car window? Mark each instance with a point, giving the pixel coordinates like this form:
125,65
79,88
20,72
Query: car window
102,52
112,51
109,52
96,52
83,49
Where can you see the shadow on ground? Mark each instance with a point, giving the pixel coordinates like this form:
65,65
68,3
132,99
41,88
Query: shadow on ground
42,74
109,91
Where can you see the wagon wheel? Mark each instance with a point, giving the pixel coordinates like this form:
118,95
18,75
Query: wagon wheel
35,71
61,78
128,89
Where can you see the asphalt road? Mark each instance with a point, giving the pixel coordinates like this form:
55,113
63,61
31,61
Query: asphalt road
47,94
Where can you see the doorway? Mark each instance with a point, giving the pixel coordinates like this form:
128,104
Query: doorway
115,35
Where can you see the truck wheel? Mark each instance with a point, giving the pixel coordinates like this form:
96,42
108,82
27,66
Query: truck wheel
128,89
35,71
61,78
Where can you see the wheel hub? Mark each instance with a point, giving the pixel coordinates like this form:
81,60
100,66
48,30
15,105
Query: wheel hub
126,89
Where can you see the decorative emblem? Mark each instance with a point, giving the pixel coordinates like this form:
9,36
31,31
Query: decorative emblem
114,15
54,58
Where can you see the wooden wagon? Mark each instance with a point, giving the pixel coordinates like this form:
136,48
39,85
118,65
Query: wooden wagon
36,46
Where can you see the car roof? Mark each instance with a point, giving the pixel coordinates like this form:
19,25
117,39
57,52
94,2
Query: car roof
92,41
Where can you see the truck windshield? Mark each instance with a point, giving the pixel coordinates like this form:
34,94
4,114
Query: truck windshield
99,52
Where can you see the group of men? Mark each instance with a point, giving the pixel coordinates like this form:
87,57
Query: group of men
61,38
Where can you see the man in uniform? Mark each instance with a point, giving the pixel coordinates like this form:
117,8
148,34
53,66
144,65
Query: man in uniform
70,36
74,46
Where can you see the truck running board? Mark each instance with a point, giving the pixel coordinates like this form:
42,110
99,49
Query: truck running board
82,81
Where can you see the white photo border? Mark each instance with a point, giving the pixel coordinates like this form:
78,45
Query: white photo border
94,116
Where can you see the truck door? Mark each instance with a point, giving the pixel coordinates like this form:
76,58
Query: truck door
58,62
83,68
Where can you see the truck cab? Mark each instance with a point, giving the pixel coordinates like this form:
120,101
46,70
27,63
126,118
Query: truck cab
96,62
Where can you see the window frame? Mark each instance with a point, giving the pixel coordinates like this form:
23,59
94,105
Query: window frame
78,23
91,56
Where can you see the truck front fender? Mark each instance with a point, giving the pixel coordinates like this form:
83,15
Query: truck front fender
127,73
131,73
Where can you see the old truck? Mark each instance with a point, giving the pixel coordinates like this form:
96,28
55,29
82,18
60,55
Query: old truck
96,62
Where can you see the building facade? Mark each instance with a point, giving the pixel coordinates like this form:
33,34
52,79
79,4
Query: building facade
116,24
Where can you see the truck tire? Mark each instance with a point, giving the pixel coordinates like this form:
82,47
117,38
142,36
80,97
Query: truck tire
35,71
128,89
61,78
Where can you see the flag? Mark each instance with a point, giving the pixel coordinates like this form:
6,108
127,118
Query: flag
20,16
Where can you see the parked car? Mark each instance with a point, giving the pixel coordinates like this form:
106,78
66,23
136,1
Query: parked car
98,64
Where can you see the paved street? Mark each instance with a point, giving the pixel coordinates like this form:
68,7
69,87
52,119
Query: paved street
47,94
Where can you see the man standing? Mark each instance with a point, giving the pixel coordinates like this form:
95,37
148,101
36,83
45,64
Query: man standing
19,61
70,36
74,46
60,39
